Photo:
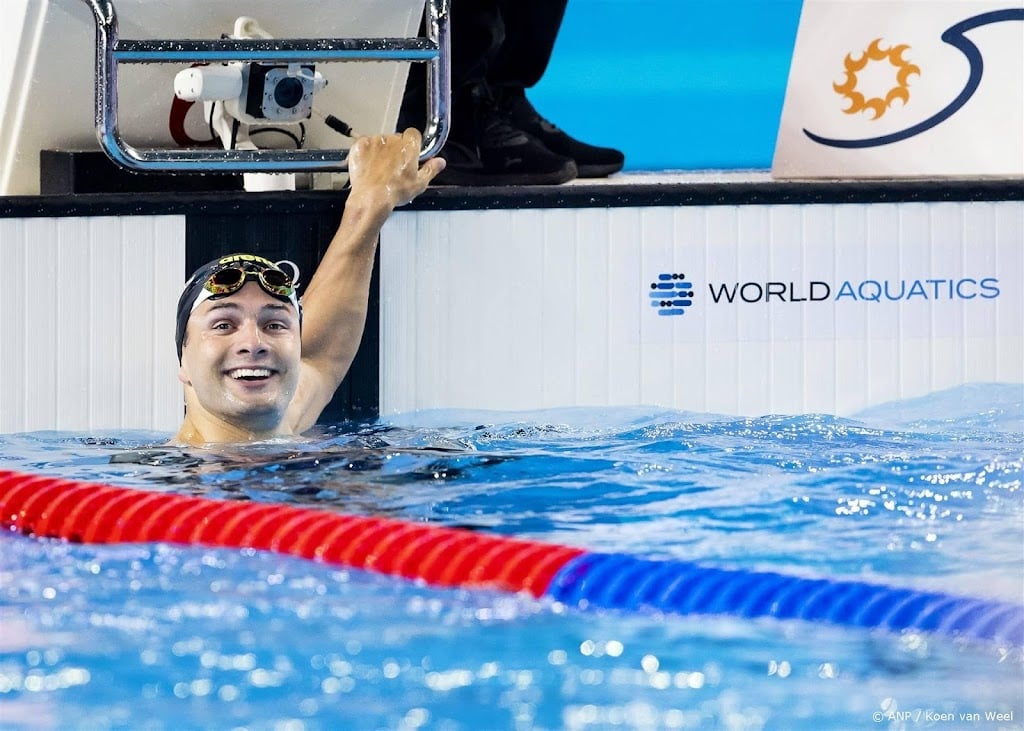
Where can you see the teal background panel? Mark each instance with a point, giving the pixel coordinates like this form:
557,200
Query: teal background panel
675,84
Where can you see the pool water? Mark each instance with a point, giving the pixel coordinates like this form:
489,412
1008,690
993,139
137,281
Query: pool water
923,494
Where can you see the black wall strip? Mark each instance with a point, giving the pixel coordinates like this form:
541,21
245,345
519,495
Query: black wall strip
636,192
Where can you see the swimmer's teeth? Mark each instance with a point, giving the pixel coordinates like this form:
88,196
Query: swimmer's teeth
250,373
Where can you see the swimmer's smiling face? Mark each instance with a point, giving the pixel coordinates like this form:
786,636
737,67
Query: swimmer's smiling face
240,360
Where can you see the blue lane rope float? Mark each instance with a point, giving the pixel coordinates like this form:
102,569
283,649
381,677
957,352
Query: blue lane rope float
617,581
84,512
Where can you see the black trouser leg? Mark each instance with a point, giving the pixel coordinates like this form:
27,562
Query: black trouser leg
477,35
497,45
531,28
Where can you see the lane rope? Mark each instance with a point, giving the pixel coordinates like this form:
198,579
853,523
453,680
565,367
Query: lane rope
83,512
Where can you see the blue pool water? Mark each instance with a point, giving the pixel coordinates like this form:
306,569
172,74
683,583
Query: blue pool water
924,494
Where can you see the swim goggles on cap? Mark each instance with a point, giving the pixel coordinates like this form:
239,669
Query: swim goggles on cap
232,277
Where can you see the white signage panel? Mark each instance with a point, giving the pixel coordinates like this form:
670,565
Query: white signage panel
749,309
908,88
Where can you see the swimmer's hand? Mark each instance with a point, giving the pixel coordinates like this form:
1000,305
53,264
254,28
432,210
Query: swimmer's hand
387,169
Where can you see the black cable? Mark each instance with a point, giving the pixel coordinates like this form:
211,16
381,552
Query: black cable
287,133
213,133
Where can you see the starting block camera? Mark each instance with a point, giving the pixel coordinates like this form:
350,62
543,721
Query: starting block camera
253,83
254,93
241,96
280,93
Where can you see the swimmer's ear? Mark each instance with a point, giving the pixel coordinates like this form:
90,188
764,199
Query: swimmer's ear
183,375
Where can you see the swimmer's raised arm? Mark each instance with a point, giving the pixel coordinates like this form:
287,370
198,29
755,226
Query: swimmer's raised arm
384,173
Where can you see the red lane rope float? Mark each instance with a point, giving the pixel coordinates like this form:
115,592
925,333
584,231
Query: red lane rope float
92,513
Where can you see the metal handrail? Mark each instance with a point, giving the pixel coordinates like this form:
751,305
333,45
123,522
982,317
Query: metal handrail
434,50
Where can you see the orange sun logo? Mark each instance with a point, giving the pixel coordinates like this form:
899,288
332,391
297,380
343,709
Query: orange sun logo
878,105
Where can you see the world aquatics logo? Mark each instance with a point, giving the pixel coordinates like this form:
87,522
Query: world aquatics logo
954,36
671,294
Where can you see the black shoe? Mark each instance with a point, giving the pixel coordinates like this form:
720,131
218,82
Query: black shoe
591,161
502,155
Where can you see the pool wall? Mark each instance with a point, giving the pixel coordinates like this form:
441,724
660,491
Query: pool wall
89,304
529,297
541,296
730,294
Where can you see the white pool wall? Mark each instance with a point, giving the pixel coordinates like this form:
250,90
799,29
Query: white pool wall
531,309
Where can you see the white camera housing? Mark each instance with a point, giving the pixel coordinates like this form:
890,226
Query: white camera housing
209,83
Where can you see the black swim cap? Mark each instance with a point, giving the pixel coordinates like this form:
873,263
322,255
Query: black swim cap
195,291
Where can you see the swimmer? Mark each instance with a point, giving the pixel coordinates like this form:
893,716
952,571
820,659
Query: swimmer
256,365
